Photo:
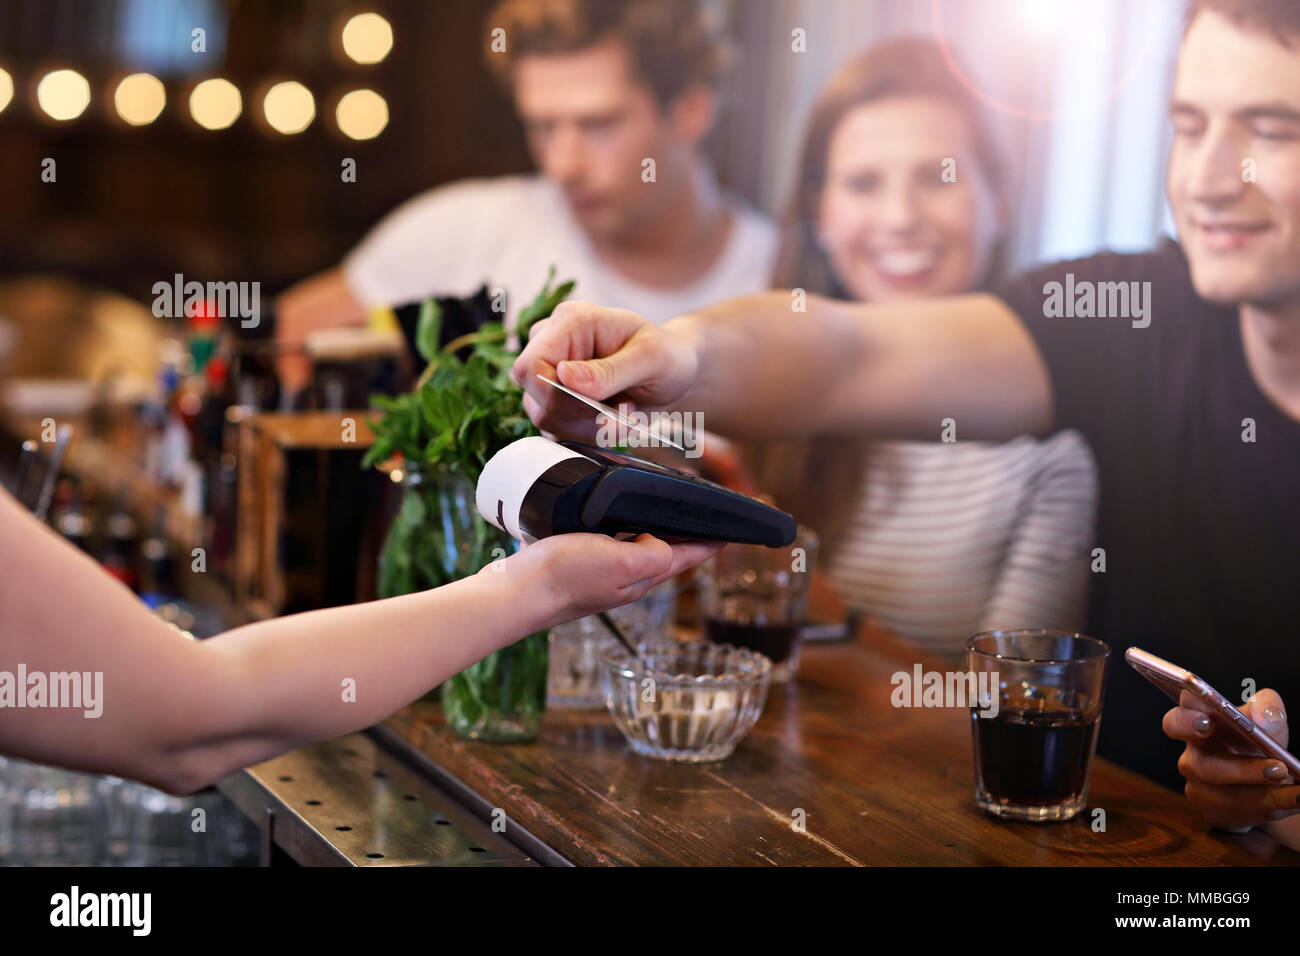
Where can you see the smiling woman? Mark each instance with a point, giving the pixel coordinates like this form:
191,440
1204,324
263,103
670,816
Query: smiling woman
894,125
902,195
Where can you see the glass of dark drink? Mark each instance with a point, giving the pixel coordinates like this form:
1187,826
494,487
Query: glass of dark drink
1034,720
755,597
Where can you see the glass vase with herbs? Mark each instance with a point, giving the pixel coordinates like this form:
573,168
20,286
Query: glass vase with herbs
464,409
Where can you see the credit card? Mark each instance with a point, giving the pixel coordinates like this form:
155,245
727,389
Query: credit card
613,414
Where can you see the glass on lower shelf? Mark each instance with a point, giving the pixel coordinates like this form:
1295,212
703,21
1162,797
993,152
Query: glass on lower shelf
573,680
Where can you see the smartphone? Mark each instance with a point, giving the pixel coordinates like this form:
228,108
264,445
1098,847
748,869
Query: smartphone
814,630
1173,680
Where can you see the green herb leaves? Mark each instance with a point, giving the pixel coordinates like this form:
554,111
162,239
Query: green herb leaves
461,413
544,304
428,329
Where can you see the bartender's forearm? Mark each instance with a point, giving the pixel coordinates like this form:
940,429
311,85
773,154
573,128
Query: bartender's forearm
891,371
306,677
179,714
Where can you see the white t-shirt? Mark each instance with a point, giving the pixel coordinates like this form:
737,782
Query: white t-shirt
507,232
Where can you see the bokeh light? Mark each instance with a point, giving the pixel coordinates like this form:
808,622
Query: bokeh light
63,94
6,89
362,114
139,99
289,107
367,38
215,103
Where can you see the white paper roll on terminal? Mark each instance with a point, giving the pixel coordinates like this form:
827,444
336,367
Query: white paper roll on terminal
508,477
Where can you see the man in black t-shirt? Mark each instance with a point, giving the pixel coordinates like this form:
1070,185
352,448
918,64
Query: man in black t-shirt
1182,368
1198,531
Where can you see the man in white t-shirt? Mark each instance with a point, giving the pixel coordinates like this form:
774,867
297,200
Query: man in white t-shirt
616,97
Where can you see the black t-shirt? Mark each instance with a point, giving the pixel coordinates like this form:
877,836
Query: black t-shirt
1200,528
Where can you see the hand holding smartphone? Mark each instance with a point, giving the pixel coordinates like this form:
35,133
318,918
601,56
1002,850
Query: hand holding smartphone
1173,680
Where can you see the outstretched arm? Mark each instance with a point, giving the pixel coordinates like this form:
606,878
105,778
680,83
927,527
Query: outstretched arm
179,714
754,368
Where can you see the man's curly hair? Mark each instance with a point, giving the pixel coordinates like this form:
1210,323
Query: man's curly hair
674,45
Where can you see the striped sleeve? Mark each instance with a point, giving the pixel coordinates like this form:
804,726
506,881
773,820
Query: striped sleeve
1043,580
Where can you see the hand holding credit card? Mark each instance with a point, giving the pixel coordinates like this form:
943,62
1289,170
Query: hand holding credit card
647,365
653,433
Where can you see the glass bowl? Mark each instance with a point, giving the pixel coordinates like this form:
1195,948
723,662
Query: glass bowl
691,702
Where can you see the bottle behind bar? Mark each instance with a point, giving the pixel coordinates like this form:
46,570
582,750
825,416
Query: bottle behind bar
121,544
157,578
69,516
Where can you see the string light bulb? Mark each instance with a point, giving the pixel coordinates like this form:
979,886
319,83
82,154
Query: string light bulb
289,107
6,89
63,94
139,99
362,114
367,38
215,103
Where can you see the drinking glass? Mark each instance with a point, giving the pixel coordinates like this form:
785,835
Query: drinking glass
573,681
1034,720
756,597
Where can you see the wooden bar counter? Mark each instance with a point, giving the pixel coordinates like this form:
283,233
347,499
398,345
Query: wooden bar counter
878,786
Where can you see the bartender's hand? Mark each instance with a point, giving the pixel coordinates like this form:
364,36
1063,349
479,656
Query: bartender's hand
1230,789
573,575
608,354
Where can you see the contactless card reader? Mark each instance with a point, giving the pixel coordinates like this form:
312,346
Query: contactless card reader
534,488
